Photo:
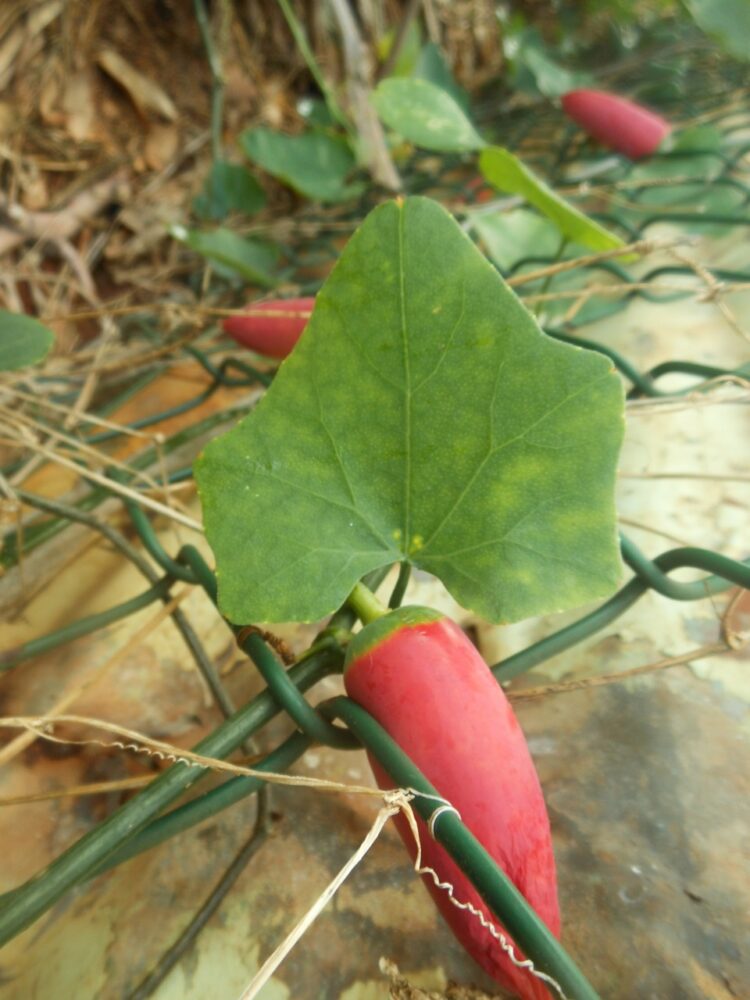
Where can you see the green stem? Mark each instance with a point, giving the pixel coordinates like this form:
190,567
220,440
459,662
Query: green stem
519,919
404,575
400,37
366,604
548,280
312,64
217,77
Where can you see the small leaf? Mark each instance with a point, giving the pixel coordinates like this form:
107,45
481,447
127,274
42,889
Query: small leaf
425,115
422,416
532,68
551,79
507,173
314,164
251,259
728,21
229,187
23,341
705,138
433,67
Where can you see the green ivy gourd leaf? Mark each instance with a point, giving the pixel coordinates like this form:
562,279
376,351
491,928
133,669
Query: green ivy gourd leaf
507,173
423,415
433,67
552,79
229,187
23,341
532,68
232,254
426,115
697,138
315,164
728,21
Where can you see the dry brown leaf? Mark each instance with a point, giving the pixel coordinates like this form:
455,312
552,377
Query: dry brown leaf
43,15
144,93
64,223
79,107
52,85
160,146
35,191
17,41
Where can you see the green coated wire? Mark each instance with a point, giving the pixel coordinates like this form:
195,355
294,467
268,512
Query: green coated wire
250,373
180,619
693,368
37,534
148,536
84,626
22,906
201,570
289,697
176,569
643,382
725,571
732,573
519,919
219,379
208,805
100,437
704,218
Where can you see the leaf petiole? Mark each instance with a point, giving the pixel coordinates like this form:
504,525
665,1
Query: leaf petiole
365,604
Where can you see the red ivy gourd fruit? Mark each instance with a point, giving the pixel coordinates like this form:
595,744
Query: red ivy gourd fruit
271,328
617,123
418,674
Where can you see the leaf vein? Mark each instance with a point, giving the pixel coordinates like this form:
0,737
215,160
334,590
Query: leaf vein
496,449
449,344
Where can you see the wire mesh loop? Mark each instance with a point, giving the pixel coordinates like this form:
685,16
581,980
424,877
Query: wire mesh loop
288,697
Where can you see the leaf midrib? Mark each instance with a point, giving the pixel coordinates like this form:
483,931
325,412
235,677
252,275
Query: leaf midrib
406,536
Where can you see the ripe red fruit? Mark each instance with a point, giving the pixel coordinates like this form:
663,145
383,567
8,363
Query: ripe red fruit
616,122
418,674
271,328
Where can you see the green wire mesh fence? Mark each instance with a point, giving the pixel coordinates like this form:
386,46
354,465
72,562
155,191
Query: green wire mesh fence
702,187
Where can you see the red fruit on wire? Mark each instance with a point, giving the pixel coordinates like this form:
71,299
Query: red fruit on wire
271,328
418,674
617,123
